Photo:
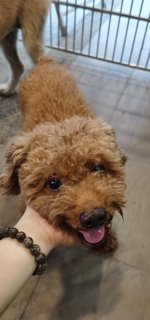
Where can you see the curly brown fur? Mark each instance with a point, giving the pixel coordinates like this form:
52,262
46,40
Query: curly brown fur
62,139
29,15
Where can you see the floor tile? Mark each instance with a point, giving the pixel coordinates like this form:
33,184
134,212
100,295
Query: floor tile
78,286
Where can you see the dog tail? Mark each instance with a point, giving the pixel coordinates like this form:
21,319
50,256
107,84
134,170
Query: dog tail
44,60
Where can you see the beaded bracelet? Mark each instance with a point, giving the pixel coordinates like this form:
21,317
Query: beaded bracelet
40,258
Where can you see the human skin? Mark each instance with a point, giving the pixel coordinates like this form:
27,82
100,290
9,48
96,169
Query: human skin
16,262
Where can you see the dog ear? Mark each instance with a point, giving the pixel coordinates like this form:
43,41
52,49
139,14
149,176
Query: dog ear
15,156
110,131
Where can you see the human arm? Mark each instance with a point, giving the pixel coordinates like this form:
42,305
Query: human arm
16,262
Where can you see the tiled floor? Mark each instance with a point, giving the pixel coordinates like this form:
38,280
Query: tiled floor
78,285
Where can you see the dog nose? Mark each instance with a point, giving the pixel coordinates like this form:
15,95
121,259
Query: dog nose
93,218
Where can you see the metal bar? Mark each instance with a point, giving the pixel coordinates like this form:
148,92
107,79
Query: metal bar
51,33
118,26
60,21
74,29
125,38
101,59
91,29
142,43
135,34
115,13
99,33
108,30
103,4
82,33
66,38
147,61
58,25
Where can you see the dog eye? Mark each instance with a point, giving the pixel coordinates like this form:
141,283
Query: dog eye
98,167
54,183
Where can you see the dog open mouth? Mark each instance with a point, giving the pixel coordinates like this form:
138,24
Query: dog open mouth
94,236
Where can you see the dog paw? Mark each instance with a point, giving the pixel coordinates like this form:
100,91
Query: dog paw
6,91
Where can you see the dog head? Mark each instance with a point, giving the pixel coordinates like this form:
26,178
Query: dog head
71,173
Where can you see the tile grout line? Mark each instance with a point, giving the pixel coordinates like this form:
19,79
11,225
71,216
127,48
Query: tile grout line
29,299
119,99
131,266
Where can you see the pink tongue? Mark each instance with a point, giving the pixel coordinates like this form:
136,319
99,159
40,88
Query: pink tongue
94,235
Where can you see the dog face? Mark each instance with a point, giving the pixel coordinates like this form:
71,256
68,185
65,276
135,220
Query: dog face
71,173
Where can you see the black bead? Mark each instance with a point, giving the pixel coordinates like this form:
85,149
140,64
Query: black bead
4,232
28,242
12,232
40,268
35,250
1,234
20,236
40,258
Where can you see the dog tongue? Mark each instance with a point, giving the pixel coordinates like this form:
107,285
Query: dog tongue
94,235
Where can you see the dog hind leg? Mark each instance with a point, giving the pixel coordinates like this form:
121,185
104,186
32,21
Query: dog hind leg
33,38
9,48
34,47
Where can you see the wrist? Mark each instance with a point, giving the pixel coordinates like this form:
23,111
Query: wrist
36,227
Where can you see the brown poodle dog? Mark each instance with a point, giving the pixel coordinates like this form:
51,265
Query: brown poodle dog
29,15
66,164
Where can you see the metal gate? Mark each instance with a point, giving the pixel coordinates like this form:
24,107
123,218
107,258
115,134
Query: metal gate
116,31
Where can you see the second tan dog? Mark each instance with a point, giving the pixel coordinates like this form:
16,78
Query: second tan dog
67,164
29,15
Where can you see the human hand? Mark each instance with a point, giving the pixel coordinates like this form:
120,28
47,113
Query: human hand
42,232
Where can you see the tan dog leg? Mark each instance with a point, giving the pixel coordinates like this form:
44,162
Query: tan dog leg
9,48
33,46
32,35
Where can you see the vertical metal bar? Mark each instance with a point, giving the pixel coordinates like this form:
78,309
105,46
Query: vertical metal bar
135,34
51,33
57,6
125,38
99,33
82,33
147,61
103,4
147,24
91,28
66,38
108,30
118,26
74,29
60,20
